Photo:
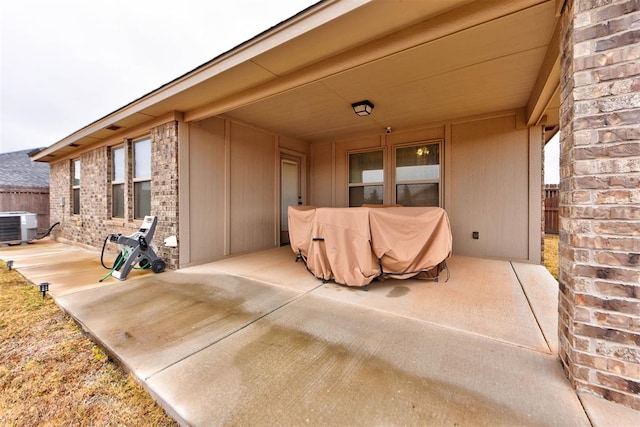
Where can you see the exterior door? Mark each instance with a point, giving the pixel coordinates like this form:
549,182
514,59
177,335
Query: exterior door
290,193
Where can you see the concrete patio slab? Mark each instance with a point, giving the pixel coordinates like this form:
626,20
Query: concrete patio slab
603,413
43,253
155,321
276,266
257,339
67,268
321,362
541,290
482,296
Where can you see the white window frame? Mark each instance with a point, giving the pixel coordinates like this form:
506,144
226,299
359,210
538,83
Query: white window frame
122,182
418,144
76,168
366,184
140,179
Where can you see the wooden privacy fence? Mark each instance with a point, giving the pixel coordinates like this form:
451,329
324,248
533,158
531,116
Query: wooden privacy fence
551,216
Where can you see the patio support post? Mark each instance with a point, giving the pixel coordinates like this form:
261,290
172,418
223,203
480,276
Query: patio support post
164,188
599,299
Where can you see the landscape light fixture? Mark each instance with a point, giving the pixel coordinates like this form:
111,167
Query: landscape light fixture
10,264
362,108
44,288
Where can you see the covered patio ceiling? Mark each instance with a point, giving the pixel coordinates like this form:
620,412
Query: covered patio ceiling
419,62
489,67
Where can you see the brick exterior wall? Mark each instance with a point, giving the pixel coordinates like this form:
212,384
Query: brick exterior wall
59,187
89,227
164,187
599,302
94,222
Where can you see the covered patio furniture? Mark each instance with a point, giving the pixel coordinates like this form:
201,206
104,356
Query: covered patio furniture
353,246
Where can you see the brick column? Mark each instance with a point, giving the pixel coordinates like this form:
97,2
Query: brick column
599,301
164,188
60,188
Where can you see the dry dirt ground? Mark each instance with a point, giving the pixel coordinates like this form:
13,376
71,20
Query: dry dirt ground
52,374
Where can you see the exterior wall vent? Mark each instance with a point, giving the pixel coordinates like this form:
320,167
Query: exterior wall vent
17,227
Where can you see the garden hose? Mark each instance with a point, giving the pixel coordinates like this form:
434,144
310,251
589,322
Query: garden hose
42,236
116,264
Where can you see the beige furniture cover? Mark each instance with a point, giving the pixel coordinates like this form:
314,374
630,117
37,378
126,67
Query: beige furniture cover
352,246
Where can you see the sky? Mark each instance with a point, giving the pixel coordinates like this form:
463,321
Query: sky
552,160
66,63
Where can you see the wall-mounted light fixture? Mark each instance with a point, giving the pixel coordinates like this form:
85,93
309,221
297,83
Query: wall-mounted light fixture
362,108
44,288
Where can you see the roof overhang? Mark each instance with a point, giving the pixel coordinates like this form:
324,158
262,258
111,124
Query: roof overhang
419,62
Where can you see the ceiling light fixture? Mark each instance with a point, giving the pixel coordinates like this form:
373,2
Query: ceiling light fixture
362,108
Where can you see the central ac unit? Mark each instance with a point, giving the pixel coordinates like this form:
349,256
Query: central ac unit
17,227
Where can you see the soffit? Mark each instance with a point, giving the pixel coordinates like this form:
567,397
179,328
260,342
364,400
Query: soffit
369,22
418,84
372,21
240,77
487,68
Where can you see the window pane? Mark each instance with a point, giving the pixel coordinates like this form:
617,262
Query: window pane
117,166
418,163
142,158
366,167
76,201
418,194
365,195
142,199
117,201
76,173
